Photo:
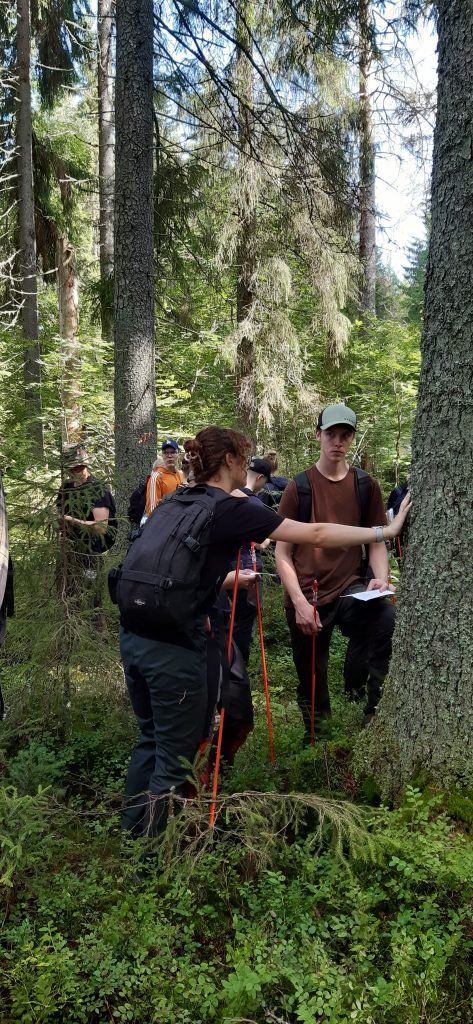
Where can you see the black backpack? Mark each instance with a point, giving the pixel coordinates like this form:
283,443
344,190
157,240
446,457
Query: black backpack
271,494
396,497
137,503
159,584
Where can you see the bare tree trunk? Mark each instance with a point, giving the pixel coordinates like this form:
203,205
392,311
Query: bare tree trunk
135,394
69,331
246,256
367,243
106,158
26,225
425,720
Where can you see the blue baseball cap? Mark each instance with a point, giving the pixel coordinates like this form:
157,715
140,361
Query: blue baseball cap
170,443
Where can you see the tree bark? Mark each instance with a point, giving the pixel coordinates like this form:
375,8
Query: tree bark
135,394
27,282
425,720
106,158
70,345
367,187
246,256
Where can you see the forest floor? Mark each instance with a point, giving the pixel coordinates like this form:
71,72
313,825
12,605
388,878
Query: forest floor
310,901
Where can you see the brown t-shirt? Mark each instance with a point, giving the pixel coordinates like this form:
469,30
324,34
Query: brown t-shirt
333,501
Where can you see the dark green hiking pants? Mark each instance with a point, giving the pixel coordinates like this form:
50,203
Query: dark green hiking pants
167,685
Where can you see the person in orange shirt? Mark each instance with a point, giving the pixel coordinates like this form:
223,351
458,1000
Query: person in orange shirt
164,479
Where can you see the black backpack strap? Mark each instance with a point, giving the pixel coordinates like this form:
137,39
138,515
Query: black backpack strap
304,494
364,486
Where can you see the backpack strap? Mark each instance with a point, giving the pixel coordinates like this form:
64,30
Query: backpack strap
364,488
304,494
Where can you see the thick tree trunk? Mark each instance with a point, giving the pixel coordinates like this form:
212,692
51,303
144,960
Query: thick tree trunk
106,157
246,256
367,243
27,283
135,395
70,345
425,721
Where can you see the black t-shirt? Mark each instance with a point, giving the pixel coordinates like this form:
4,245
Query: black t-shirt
80,502
237,522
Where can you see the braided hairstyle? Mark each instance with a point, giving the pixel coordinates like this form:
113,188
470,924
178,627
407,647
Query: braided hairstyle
207,450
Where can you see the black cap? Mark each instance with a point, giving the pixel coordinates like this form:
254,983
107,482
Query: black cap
260,466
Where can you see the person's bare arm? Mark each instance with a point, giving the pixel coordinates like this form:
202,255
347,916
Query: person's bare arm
246,579
99,524
305,618
334,535
378,560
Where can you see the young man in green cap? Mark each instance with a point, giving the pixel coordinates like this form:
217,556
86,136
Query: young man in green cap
336,493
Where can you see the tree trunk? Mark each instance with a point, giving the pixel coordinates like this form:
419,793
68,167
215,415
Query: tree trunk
246,257
106,158
367,243
70,346
27,282
425,721
135,394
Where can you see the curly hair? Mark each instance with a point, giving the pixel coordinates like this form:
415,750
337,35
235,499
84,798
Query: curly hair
207,450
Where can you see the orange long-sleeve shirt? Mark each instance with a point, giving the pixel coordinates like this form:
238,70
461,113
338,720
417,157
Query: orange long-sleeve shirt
162,481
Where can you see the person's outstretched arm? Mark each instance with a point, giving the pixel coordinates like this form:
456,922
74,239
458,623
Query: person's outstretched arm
334,535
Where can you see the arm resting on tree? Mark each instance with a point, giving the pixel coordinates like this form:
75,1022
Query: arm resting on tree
334,535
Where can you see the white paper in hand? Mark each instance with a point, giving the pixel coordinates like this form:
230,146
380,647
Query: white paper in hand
370,595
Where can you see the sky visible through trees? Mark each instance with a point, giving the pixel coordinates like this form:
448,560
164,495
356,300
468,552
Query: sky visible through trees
401,180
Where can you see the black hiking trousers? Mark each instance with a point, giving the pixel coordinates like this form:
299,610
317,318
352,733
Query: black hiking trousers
369,627
167,685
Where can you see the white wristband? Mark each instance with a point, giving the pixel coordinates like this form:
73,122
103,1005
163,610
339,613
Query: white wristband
378,534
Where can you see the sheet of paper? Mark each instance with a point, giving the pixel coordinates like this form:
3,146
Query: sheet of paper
370,595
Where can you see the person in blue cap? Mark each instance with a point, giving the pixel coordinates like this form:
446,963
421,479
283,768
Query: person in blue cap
164,479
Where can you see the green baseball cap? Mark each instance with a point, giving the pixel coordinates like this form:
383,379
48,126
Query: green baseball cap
74,455
336,416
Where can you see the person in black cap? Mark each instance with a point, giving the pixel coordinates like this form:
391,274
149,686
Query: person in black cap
164,478
333,491
258,474
273,491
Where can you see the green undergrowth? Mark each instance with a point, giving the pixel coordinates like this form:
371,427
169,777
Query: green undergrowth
308,902
313,913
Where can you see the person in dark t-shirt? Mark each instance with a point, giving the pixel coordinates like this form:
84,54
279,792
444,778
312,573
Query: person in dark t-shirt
258,475
335,497
166,675
87,517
